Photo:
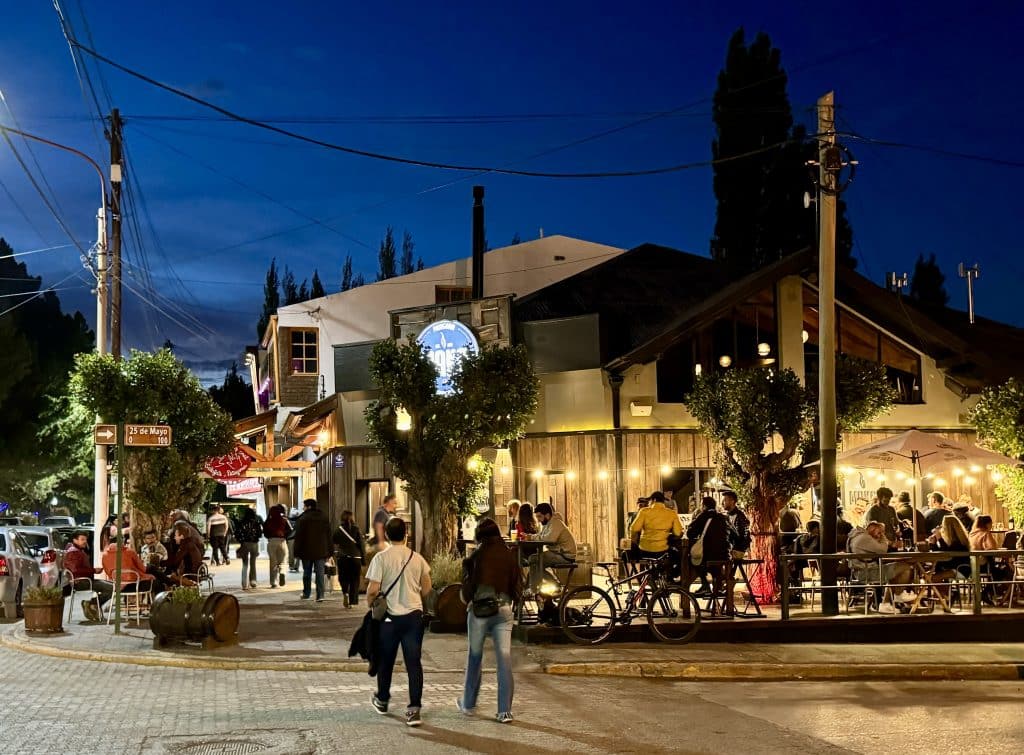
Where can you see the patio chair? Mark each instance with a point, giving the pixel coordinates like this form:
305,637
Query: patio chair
80,586
140,595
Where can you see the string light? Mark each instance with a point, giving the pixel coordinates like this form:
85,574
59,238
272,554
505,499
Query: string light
666,470
804,335
570,475
506,470
764,349
538,473
968,480
997,476
472,464
975,468
725,360
603,474
939,482
901,475
634,473
957,472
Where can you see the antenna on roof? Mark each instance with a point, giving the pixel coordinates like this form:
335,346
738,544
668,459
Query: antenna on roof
541,233
896,282
970,273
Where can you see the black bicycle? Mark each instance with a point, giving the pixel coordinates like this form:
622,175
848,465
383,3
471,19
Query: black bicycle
588,614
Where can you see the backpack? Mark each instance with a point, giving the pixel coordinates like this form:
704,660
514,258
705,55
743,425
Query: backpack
250,530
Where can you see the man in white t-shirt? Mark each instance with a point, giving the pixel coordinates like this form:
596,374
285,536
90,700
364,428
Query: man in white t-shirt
404,577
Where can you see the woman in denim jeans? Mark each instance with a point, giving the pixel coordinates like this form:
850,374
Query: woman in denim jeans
492,571
248,532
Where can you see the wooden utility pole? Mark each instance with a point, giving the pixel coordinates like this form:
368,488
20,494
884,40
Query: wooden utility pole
116,163
828,176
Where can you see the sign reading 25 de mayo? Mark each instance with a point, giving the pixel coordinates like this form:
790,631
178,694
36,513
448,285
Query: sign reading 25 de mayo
447,342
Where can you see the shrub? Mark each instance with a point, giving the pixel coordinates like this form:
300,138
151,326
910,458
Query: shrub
184,595
445,569
42,594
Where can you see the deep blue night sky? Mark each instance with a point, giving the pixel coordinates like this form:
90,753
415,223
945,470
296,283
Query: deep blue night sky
947,77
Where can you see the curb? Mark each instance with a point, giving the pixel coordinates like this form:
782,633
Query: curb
794,672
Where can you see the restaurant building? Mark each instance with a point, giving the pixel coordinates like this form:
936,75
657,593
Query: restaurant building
616,338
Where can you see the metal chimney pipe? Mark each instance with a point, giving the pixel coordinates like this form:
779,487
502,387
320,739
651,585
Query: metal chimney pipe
478,242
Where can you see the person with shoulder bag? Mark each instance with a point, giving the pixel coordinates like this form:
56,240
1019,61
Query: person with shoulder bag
492,581
401,578
348,555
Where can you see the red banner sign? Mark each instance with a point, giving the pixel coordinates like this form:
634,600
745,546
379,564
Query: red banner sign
229,466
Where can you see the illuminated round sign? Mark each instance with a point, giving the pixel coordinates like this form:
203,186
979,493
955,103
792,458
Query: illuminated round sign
447,342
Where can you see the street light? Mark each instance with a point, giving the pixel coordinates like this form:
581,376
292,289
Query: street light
100,502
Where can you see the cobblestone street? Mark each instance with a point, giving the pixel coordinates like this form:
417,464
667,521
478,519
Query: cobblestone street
69,706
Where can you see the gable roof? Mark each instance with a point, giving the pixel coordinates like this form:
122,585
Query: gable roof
635,294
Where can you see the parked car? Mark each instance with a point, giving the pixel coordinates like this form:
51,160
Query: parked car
19,571
10,521
58,521
47,546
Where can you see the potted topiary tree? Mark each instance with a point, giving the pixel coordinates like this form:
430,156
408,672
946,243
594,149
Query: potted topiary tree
44,610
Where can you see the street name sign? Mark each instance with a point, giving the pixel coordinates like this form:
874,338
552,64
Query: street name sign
147,435
104,435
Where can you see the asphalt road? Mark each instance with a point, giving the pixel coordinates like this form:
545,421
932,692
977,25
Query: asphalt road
57,705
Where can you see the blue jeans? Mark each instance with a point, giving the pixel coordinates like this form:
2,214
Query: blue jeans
499,629
249,552
406,631
308,567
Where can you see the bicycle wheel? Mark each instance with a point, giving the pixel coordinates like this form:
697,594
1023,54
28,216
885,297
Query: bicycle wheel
587,615
673,615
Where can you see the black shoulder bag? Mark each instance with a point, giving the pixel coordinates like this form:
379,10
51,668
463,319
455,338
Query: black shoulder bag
485,606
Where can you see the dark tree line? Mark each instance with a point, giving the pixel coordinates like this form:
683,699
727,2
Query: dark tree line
41,455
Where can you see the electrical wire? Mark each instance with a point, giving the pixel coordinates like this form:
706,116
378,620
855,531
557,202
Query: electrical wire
43,291
34,251
40,293
935,150
429,163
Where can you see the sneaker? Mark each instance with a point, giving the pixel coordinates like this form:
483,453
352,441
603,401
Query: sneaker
462,710
319,600
89,611
412,717
344,600
503,718
273,586
887,608
280,579
303,597
906,597
381,706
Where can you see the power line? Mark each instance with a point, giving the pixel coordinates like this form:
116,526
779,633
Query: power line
34,251
42,291
415,162
39,293
936,151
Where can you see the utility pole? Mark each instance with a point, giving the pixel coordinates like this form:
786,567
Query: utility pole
970,273
101,502
829,163
116,162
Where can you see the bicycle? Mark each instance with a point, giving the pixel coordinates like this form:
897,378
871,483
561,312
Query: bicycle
588,614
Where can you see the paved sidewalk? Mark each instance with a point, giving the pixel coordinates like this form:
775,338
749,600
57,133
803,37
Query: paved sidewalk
278,631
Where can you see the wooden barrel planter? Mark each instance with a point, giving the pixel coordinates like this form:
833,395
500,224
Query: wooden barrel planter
212,621
450,611
44,617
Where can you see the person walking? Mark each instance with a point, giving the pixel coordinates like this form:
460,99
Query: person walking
405,577
348,555
293,563
312,546
276,529
491,583
217,534
249,532
387,510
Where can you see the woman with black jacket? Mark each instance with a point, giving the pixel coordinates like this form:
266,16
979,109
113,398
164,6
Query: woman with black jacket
492,581
348,555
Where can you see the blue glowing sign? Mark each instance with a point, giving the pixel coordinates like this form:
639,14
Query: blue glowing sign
447,342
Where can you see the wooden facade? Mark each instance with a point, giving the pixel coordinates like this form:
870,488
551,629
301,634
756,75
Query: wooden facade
343,478
579,472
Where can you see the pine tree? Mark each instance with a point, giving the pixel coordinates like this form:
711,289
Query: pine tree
235,395
760,214
419,263
358,280
288,287
407,264
346,273
515,239
271,299
386,256
928,285
316,288
304,291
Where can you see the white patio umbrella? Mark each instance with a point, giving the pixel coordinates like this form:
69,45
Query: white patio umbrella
918,453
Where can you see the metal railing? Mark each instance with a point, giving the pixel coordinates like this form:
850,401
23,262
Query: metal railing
1014,558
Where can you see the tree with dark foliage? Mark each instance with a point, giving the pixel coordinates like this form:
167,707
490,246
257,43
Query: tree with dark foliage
928,285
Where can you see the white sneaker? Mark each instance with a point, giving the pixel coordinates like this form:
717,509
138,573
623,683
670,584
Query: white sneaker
906,597
887,608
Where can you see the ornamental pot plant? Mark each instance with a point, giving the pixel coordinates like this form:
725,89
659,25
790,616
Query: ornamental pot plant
449,611
44,610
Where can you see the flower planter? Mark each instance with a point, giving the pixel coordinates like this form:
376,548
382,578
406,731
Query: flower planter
449,611
212,621
44,617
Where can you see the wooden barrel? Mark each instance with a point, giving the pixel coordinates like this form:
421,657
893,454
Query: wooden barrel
215,616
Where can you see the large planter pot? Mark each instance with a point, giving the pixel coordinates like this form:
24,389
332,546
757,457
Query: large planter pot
450,611
44,617
212,621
